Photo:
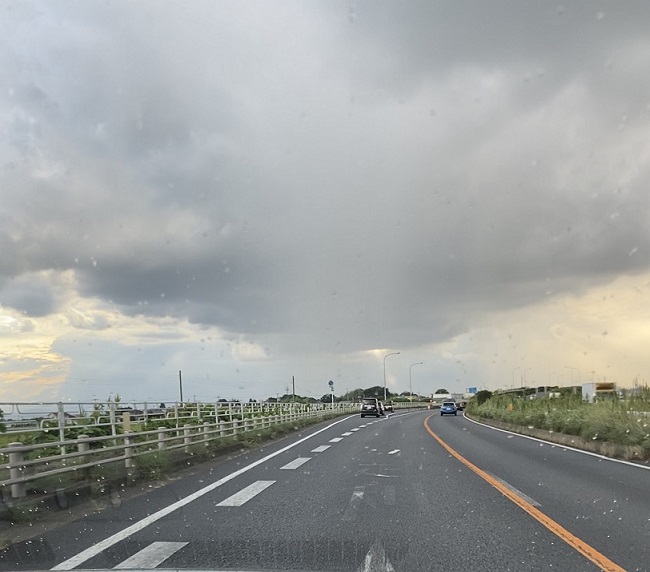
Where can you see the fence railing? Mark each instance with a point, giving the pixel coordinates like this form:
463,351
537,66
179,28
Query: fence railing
60,416
21,464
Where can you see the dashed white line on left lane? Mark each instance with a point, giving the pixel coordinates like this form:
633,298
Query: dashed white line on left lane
151,556
320,449
98,547
246,494
296,463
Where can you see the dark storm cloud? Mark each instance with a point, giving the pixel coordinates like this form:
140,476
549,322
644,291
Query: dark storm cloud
356,175
32,296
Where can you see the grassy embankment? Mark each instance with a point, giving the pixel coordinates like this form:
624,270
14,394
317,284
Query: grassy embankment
616,428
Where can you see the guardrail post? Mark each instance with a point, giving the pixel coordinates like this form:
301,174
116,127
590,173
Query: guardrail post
162,434
235,424
222,429
16,470
111,416
128,453
187,437
83,445
206,431
61,418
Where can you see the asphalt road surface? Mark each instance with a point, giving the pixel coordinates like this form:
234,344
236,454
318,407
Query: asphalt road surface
409,492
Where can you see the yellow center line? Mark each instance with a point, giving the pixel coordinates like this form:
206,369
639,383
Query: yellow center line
573,541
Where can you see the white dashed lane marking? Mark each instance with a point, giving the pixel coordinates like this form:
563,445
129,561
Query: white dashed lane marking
336,439
150,556
246,494
296,463
321,449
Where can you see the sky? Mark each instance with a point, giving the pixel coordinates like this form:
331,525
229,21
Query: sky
261,193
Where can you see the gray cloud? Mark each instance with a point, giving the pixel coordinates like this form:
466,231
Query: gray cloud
332,177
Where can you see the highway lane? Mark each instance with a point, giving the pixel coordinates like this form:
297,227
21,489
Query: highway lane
604,502
358,495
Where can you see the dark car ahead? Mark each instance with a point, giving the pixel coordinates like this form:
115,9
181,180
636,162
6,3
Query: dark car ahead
448,408
371,406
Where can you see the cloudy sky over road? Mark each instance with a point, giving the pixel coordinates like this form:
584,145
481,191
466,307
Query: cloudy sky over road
250,191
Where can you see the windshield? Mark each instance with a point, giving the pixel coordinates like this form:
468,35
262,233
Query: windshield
252,255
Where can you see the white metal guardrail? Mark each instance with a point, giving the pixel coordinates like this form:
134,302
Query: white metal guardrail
192,426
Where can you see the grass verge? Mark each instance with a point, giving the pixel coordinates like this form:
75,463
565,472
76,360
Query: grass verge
616,428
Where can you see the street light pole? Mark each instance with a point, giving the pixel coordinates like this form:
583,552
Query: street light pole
513,375
390,354
411,381
572,368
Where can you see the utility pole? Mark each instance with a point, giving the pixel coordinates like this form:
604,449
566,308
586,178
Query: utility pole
180,384
293,385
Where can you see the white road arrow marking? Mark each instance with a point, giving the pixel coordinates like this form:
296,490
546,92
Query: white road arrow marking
376,560
355,502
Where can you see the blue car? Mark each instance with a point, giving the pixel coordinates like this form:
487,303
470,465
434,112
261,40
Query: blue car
448,408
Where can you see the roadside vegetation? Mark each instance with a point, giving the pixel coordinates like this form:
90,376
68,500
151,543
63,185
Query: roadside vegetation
615,427
107,484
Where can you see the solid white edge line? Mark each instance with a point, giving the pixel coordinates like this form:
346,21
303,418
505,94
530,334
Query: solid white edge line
568,447
95,549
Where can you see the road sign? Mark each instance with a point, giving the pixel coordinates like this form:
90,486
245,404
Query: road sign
330,382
